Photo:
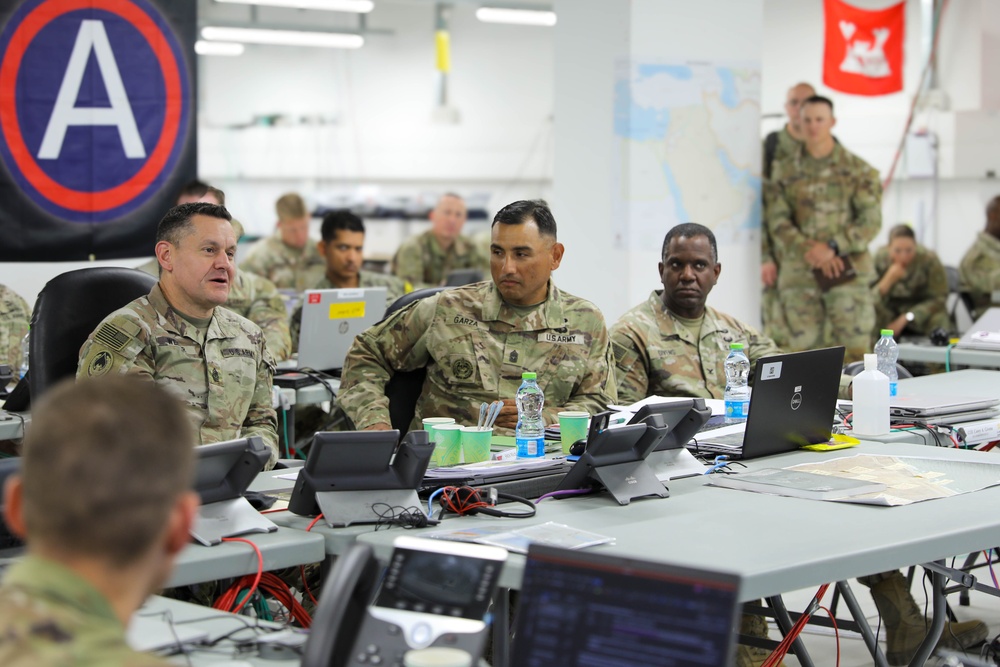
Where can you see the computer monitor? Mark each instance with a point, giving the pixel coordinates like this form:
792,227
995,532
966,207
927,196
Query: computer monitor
8,467
586,608
225,470
360,461
683,418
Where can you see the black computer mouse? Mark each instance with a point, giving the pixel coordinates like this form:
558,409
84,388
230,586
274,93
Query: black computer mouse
578,447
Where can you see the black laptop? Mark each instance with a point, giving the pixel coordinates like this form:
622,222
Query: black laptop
793,404
580,608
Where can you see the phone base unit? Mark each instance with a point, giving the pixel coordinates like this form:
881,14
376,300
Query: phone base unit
435,593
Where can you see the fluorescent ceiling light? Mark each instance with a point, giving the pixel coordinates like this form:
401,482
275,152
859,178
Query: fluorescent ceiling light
517,16
203,48
330,40
356,6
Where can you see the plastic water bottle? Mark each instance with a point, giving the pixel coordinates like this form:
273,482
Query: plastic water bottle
887,352
737,389
530,432
871,400
24,355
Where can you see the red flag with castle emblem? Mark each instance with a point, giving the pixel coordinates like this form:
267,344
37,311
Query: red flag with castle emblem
864,49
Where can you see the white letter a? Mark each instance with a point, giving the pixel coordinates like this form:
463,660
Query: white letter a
65,113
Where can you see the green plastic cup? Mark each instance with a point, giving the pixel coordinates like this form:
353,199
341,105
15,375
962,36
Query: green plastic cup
572,427
430,422
476,443
448,444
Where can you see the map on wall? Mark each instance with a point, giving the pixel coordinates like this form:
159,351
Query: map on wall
687,149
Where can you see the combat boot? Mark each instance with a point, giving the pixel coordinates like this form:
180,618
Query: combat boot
906,627
751,656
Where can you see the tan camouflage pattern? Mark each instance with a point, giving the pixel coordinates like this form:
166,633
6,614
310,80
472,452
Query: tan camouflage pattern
395,288
226,384
257,299
979,272
50,617
837,198
15,317
922,291
475,348
421,261
287,268
655,355
772,314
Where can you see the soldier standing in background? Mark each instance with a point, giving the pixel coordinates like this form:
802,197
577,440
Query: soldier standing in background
14,319
288,259
911,286
823,209
778,146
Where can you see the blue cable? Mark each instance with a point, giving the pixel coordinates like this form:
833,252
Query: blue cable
430,501
721,461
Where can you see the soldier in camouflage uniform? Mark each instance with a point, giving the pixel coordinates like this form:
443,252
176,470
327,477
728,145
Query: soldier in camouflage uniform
823,208
673,344
911,286
14,318
778,146
214,359
92,557
342,248
288,259
980,268
476,340
427,259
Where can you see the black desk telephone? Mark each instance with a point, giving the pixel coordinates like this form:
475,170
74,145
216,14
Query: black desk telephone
434,593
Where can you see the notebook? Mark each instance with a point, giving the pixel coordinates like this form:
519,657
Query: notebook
586,608
331,318
792,404
984,334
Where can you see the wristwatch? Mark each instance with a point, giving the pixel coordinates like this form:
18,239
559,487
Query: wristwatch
910,316
834,247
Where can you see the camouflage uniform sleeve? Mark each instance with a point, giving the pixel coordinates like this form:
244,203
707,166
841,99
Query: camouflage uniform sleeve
934,305
295,327
596,389
778,215
979,273
631,363
268,312
866,213
117,347
261,417
255,260
766,249
14,318
397,344
409,264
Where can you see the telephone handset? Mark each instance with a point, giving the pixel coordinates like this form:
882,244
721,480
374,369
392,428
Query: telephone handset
348,590
434,593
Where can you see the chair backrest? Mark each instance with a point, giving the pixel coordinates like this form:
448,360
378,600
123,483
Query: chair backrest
856,367
403,388
67,311
407,299
959,304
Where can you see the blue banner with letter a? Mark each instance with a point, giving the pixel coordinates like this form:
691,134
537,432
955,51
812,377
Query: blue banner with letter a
97,131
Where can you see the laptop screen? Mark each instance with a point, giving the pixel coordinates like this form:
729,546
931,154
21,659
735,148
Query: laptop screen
582,608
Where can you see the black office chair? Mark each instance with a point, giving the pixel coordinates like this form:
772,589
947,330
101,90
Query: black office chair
67,311
403,388
856,367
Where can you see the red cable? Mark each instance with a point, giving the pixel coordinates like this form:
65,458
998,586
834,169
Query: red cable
302,568
256,581
786,643
836,631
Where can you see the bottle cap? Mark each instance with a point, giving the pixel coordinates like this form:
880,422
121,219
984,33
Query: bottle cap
887,332
528,376
871,362
736,346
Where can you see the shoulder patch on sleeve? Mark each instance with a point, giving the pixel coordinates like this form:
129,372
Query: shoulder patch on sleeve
112,336
624,357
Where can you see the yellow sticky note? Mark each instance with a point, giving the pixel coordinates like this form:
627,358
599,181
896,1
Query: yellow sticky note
837,441
347,311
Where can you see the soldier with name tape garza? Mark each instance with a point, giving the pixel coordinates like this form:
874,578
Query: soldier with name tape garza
823,208
476,340
178,336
